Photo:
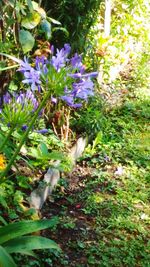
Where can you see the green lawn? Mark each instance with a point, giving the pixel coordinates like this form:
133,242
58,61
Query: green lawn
103,209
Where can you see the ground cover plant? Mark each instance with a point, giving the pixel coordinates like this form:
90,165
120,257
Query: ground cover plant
103,206
95,85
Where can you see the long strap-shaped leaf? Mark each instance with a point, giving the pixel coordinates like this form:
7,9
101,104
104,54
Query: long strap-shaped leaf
28,243
17,229
5,259
12,58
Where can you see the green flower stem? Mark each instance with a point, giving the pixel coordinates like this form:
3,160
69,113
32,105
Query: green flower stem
7,137
24,137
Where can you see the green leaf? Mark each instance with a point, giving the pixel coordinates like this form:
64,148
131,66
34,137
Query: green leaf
12,58
2,220
30,6
35,5
26,40
5,259
46,28
61,29
16,229
27,243
56,155
29,253
31,20
40,10
54,21
8,68
44,149
35,152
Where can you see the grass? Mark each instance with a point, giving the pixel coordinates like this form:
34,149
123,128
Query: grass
103,209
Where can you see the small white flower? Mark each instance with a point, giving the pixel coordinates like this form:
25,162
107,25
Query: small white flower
119,171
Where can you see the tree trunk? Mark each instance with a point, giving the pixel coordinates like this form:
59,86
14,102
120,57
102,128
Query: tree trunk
107,17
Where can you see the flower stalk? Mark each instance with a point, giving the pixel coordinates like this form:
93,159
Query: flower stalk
7,137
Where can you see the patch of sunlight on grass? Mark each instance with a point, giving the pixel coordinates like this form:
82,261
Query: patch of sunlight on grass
142,141
143,93
131,223
99,197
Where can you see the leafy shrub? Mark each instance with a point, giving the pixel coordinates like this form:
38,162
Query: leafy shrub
76,17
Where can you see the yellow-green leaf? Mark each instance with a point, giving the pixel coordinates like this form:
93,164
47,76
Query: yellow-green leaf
40,10
31,20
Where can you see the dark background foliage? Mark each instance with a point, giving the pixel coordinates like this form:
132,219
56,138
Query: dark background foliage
76,16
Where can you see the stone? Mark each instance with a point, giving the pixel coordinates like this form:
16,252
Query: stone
78,148
39,195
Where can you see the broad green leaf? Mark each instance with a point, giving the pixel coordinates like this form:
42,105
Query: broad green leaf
26,40
5,259
55,155
27,243
16,229
31,20
46,28
44,149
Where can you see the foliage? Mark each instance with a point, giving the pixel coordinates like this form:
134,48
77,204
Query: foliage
48,102
127,45
24,21
89,119
12,239
76,17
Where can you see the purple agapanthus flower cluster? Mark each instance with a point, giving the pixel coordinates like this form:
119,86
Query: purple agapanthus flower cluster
24,99
82,85
17,109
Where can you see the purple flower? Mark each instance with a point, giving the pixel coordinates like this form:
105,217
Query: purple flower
23,99
54,100
70,101
87,75
39,61
67,49
24,65
83,89
41,64
6,98
76,61
90,75
24,127
43,131
75,75
31,75
52,49
17,109
60,59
